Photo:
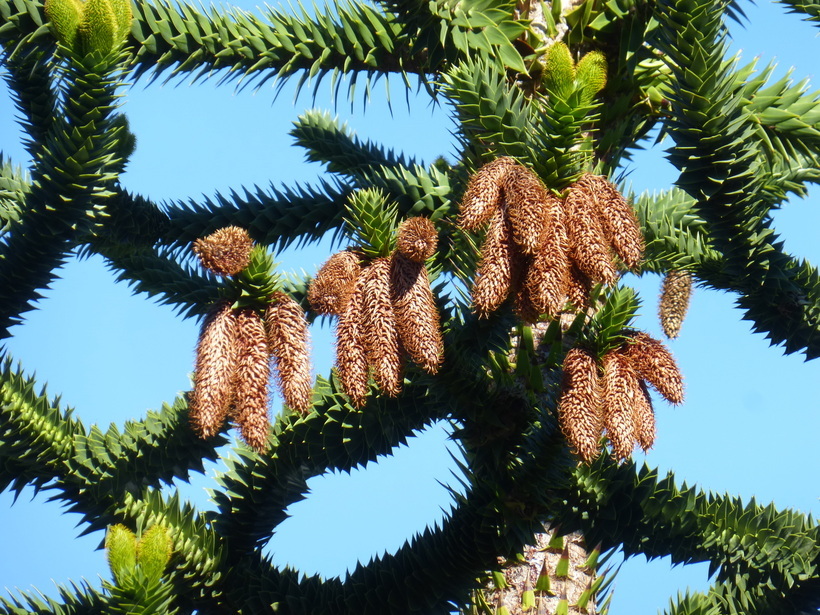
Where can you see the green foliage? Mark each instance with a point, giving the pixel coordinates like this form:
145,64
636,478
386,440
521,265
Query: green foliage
562,108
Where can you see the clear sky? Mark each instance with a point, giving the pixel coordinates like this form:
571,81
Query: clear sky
749,424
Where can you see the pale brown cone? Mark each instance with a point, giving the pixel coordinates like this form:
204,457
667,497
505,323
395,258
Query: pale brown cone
351,360
226,251
417,239
330,290
288,341
528,208
417,317
621,388
483,194
654,363
620,223
579,406
524,306
216,358
588,245
644,418
494,276
381,336
578,288
674,301
252,380
548,277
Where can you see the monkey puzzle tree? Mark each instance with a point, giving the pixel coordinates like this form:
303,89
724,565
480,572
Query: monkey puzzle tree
485,291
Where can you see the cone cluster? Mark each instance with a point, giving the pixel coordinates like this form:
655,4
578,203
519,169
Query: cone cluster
674,301
237,348
613,395
386,311
542,249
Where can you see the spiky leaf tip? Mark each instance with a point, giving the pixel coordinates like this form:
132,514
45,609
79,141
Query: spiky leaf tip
371,222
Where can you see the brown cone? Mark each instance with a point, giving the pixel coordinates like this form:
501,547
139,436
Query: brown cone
216,357
654,363
226,251
252,379
417,318
644,418
548,277
588,245
528,204
494,277
330,290
621,388
578,288
620,224
579,406
417,239
381,336
674,301
288,341
483,194
351,360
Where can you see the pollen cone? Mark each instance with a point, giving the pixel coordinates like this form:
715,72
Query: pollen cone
330,290
288,341
621,389
548,277
483,194
226,251
579,287
654,363
381,336
674,302
495,271
417,318
579,407
644,418
351,360
588,245
252,377
216,358
528,204
619,221
417,239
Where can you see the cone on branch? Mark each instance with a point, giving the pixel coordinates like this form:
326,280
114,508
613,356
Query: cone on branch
226,251
579,409
252,378
380,333
529,208
587,243
655,364
674,301
621,389
330,290
351,360
417,239
288,342
483,194
494,277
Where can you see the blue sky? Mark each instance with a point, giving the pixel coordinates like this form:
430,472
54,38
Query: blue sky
747,427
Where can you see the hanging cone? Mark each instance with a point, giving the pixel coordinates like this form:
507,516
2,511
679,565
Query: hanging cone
579,287
620,224
351,360
620,390
330,290
528,206
493,279
579,406
216,360
417,317
654,363
288,341
548,277
381,337
252,378
674,301
417,239
644,418
226,251
483,194
588,245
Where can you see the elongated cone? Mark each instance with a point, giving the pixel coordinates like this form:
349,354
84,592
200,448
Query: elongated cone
579,411
654,363
674,301
288,341
528,203
97,31
579,287
226,251
252,378
64,17
588,245
524,306
483,194
417,318
216,361
495,271
548,276
620,390
121,545
417,239
644,418
351,359
381,336
330,290
620,224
